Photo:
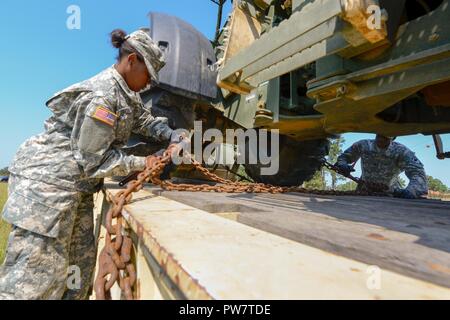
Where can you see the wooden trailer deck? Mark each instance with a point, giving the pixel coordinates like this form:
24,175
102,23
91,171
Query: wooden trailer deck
291,246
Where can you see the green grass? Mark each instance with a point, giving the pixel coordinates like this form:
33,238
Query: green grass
4,227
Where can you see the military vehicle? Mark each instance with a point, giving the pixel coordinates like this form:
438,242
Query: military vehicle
312,69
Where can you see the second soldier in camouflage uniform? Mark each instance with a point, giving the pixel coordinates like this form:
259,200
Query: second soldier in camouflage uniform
382,161
55,174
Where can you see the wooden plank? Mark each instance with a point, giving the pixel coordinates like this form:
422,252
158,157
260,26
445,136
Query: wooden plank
244,30
304,21
409,237
210,256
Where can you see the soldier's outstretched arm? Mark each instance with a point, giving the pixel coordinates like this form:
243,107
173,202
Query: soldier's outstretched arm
352,154
153,127
414,170
92,143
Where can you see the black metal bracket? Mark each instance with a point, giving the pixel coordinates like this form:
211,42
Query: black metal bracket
440,154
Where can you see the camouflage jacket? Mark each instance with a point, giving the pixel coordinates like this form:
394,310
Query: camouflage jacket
385,166
82,141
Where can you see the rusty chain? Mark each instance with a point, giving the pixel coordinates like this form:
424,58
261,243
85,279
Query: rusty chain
115,265
228,186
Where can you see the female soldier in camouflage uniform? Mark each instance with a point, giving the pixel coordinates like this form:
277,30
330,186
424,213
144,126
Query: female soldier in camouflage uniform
55,174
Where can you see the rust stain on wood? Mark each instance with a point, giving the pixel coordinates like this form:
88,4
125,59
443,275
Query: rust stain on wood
377,236
439,268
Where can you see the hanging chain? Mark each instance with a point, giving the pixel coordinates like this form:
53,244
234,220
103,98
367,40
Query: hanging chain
228,186
115,265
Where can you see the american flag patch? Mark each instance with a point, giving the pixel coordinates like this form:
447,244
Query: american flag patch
105,116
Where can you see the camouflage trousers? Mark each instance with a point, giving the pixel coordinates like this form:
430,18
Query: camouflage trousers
41,267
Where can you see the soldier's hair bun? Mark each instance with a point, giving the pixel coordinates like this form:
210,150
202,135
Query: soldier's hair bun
118,38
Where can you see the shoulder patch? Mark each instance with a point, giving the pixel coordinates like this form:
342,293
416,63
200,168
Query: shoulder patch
104,115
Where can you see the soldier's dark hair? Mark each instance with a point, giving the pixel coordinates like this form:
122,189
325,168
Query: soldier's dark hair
119,41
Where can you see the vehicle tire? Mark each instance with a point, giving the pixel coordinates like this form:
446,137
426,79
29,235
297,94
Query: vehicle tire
298,162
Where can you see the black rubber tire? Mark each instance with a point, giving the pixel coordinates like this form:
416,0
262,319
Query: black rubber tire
299,161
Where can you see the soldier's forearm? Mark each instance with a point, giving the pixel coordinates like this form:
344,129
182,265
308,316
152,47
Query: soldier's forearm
116,163
345,158
418,186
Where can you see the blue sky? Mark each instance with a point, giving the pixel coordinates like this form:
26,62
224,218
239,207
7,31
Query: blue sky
40,56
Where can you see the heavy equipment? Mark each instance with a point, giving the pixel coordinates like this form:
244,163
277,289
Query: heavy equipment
312,69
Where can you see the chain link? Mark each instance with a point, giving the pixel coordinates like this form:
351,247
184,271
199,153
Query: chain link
115,265
228,186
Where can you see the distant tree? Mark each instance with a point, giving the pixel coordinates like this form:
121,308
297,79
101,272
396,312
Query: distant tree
318,182
348,186
4,172
242,176
402,182
437,185
335,151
